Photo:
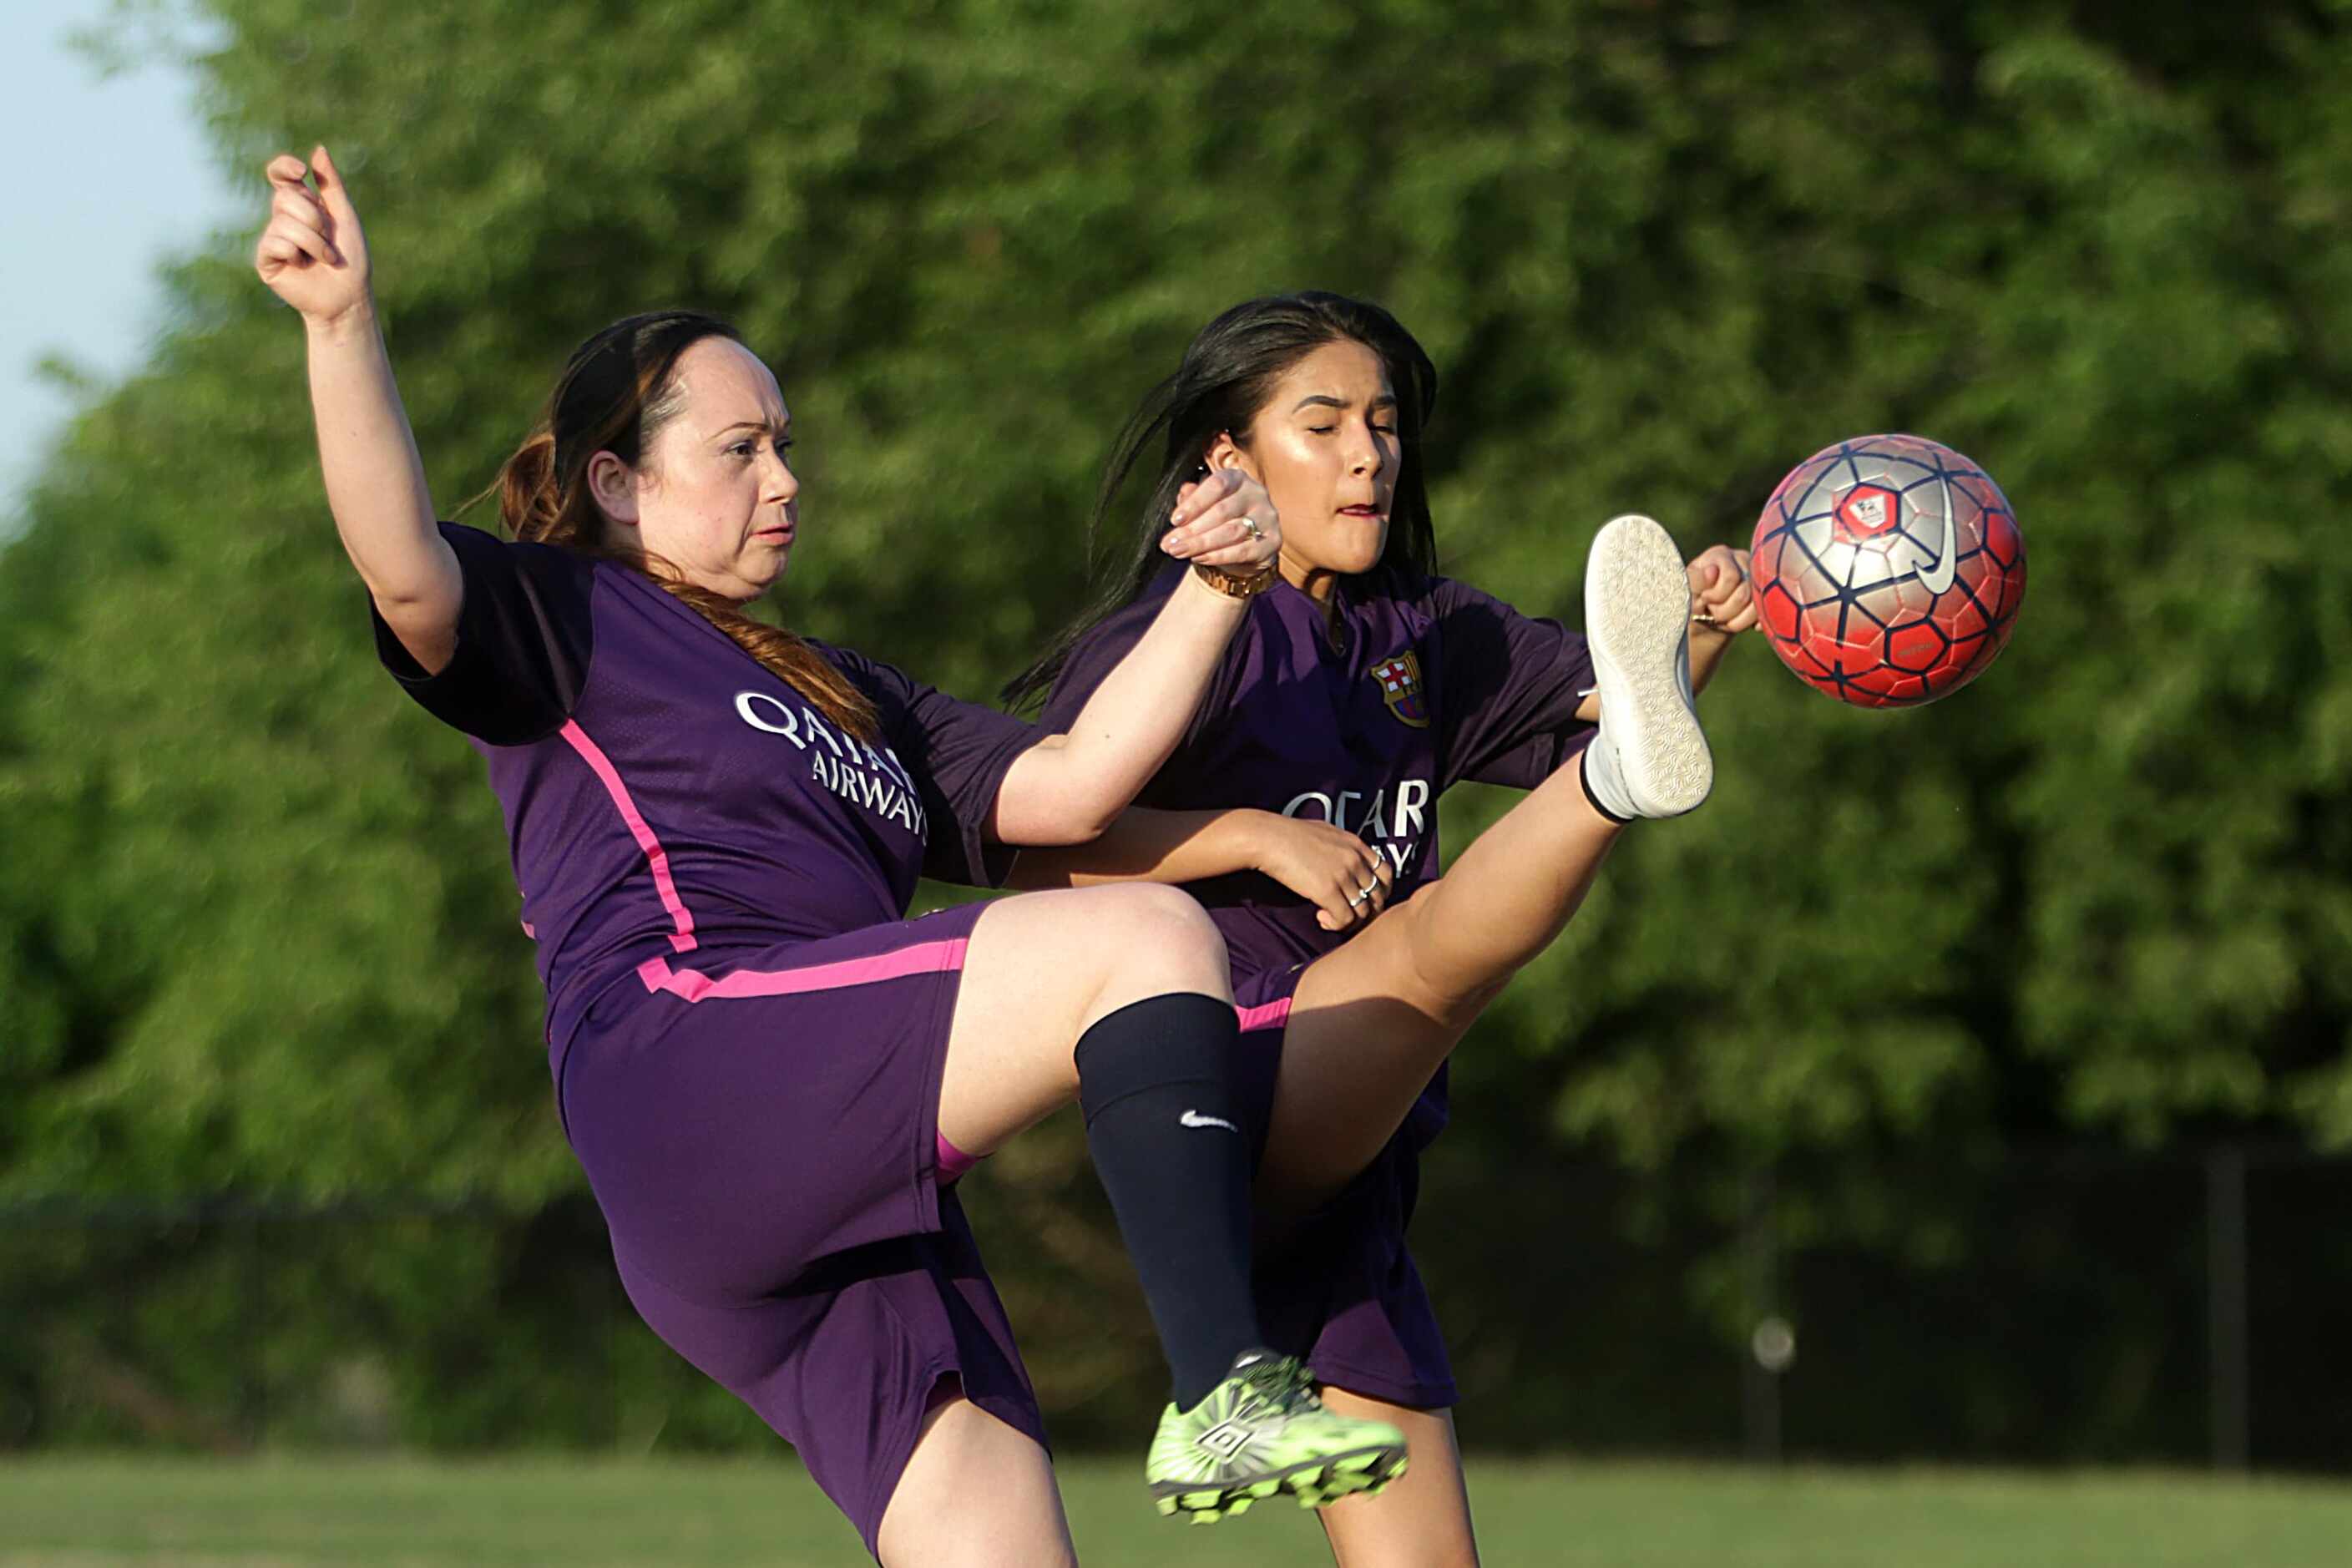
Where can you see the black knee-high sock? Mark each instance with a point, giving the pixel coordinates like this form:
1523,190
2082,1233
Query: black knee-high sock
1157,1082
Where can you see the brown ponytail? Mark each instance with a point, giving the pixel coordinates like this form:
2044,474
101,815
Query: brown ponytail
616,393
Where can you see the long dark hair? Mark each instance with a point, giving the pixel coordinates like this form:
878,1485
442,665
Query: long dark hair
618,391
1226,375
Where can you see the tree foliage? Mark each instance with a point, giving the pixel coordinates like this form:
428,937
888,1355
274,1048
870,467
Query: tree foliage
258,931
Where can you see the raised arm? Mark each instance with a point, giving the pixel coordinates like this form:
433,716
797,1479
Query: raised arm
1068,790
1722,606
313,255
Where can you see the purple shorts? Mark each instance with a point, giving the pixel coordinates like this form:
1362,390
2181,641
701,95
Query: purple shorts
761,1133
1340,1288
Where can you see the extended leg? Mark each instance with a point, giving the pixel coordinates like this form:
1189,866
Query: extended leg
1371,1022
1136,976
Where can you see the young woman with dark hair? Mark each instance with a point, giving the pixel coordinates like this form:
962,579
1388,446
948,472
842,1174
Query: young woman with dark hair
1301,806
767,1074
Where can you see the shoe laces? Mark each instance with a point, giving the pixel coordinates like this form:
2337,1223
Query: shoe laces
1285,1382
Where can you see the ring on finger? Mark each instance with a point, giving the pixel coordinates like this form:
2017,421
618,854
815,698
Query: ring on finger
1366,890
1255,533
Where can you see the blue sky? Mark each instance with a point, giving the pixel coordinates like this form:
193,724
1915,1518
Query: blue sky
106,178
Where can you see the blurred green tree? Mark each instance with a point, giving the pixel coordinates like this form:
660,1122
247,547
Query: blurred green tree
257,933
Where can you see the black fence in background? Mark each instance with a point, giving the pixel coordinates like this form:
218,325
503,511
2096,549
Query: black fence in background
2060,1307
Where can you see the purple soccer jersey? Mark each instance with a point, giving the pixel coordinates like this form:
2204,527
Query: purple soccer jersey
670,803
1421,684
747,1039
1424,684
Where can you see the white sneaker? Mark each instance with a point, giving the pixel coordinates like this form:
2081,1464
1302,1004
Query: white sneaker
1650,757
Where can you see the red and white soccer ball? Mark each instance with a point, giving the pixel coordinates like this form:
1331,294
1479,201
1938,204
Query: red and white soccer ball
1888,571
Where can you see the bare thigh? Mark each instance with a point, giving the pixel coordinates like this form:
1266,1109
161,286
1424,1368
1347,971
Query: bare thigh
1363,1037
1042,968
975,1494
1422,1521
1370,1022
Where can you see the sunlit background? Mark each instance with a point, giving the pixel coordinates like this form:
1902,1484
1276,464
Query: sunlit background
1934,1151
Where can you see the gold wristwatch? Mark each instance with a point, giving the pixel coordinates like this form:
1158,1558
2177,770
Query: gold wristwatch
1235,584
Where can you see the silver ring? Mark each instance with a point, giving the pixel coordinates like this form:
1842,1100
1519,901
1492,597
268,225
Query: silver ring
1255,533
1366,890
1361,896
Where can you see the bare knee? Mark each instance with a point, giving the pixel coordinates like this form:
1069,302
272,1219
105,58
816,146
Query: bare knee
1151,940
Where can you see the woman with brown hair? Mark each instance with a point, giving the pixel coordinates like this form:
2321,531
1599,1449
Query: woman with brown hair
767,1073
1301,807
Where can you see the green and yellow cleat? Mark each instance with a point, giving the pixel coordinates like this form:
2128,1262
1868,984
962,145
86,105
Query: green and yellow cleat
1261,1433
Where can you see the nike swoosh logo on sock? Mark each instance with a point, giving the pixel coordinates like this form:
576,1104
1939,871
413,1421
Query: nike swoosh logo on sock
1194,1118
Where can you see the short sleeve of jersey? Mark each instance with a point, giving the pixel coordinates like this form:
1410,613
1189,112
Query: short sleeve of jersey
524,636
1098,653
958,752
1509,687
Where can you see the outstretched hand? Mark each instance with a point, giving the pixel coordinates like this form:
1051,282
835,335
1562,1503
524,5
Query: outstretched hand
312,254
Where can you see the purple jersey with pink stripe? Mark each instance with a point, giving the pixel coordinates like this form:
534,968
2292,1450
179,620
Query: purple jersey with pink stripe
1362,722
748,1039
671,803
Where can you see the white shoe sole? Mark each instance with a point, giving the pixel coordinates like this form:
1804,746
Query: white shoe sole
1637,625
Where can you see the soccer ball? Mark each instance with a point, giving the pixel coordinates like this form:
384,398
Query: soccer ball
1887,570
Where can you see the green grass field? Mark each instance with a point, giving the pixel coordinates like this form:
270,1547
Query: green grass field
279,1513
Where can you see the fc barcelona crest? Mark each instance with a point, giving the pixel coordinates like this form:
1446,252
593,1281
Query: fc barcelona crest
1400,681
